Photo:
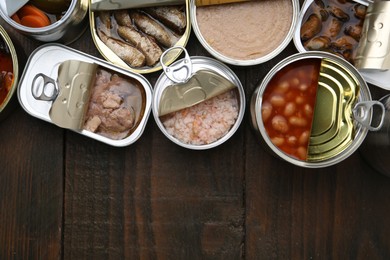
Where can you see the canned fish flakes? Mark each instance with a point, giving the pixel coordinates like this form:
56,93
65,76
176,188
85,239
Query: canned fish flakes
79,92
198,102
313,109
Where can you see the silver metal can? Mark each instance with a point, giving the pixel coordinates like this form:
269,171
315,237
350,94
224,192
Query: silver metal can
355,35
63,86
188,109
245,33
313,109
66,30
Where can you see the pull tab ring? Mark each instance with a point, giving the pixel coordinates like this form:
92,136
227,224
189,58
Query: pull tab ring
46,90
173,72
362,111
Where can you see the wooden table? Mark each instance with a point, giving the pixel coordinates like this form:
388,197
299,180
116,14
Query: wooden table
63,195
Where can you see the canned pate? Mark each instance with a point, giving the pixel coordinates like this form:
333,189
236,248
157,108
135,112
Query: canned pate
313,109
198,102
134,34
9,69
60,21
79,92
355,30
244,33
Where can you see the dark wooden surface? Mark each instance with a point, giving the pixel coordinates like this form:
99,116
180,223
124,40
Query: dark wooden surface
65,196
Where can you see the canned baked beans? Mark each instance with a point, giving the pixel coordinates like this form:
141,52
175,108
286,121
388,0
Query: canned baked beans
313,109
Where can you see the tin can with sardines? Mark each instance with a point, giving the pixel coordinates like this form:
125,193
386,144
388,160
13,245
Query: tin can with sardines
134,34
244,33
198,102
61,21
79,92
313,109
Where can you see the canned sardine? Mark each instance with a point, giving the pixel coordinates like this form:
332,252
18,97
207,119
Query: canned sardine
135,38
245,33
313,109
9,73
198,102
60,21
79,92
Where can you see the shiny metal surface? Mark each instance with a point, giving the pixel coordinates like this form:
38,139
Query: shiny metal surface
374,47
200,64
65,31
333,129
47,59
336,128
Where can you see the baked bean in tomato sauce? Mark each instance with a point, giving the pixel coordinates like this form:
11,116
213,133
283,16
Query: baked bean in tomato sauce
288,106
6,74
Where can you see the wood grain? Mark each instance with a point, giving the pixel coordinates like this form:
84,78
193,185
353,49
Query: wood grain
31,188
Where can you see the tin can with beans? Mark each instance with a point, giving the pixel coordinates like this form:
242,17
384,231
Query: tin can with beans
313,109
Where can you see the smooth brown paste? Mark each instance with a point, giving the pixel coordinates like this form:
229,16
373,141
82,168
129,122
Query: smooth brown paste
247,30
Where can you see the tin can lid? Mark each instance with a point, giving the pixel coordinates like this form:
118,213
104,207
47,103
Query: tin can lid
333,128
373,54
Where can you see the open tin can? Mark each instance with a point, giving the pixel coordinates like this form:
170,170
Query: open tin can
244,33
198,102
313,109
9,73
82,93
134,34
64,28
356,30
